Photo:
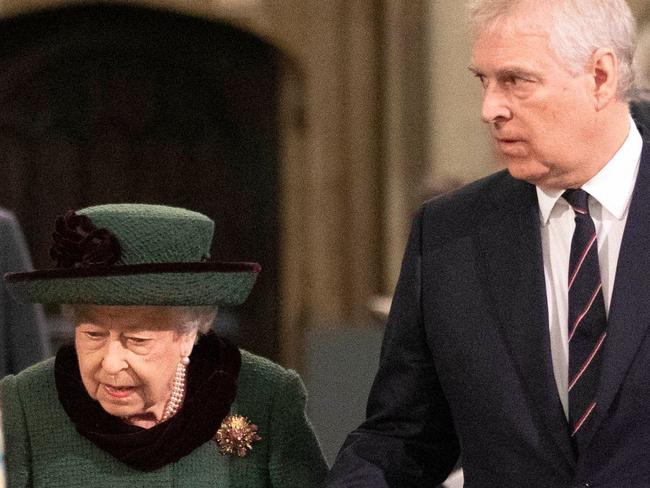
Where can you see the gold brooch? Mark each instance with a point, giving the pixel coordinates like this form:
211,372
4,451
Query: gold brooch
236,435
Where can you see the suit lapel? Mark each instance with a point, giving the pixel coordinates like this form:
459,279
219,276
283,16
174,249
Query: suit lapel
510,243
629,314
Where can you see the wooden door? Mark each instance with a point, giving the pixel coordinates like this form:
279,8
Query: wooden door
106,104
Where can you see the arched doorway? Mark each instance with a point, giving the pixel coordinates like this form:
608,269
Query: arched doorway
115,103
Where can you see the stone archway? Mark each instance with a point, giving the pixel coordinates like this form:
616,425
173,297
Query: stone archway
117,103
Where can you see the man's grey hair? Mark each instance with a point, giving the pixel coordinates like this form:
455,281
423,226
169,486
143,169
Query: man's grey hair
642,64
577,28
192,318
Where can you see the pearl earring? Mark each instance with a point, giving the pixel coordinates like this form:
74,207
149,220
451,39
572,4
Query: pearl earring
185,360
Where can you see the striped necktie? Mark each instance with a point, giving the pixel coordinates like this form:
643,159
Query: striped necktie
587,317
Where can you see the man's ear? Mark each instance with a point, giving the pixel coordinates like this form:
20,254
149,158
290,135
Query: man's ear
604,70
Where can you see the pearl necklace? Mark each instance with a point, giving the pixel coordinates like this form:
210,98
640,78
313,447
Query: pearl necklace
178,392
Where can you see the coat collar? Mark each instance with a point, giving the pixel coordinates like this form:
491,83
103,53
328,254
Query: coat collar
510,243
629,314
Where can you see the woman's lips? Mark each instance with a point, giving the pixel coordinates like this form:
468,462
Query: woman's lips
118,391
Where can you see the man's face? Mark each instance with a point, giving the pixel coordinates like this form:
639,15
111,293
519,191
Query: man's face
541,117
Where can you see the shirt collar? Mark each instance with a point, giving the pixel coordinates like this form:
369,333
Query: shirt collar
612,186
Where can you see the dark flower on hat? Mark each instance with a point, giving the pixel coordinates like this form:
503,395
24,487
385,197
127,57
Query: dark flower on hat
79,244
236,435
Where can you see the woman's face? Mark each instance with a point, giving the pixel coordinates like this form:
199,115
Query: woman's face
128,356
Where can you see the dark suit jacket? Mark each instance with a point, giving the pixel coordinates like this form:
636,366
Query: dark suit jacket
23,334
466,358
640,111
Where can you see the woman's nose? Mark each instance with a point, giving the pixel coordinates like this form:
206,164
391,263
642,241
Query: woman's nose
114,359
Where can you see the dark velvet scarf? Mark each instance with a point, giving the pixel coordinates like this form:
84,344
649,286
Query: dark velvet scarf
210,390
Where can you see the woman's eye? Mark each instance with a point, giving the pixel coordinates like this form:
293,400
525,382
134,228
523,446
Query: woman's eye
93,335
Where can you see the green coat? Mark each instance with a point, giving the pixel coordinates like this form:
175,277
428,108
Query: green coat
45,450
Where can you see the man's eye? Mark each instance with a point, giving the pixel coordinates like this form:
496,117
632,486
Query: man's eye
138,341
481,78
518,81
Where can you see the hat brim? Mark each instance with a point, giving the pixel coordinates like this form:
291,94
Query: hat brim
164,284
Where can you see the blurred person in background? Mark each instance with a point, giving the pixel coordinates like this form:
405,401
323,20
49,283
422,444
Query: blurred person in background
2,453
23,333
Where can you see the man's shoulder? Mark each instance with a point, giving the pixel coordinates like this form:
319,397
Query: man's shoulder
493,192
496,192
463,211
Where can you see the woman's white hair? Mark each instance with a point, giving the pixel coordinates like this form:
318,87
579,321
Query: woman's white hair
199,318
192,318
577,28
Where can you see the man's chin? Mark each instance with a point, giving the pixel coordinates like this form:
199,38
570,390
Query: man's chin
531,172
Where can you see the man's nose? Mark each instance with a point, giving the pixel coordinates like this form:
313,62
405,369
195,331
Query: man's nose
495,106
114,360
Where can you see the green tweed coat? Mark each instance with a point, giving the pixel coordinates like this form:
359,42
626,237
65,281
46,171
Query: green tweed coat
45,451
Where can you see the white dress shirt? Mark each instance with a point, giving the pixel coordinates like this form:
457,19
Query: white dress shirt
611,192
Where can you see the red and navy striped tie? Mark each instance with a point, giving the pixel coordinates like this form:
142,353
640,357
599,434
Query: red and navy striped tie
587,317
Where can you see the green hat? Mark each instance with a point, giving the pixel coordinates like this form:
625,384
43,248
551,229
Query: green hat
134,254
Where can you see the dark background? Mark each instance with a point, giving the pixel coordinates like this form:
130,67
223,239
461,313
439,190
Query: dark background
104,104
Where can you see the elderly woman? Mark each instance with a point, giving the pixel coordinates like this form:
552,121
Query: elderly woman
147,396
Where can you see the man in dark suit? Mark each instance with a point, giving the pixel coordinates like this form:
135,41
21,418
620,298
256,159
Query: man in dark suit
640,110
23,334
519,334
